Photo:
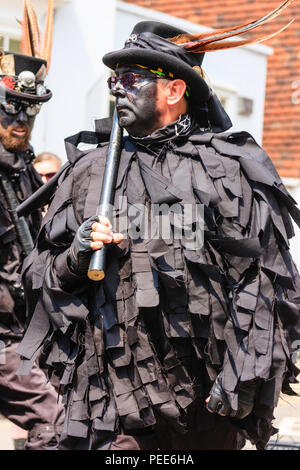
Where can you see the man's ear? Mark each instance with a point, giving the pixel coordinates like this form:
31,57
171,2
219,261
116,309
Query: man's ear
176,91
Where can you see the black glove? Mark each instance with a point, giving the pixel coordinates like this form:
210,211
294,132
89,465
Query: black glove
218,402
80,251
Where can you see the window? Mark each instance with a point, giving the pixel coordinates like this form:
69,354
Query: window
223,99
10,44
228,99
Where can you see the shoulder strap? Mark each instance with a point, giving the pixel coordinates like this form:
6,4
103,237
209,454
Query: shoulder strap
42,196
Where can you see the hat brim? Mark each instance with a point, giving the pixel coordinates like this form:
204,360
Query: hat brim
28,97
200,91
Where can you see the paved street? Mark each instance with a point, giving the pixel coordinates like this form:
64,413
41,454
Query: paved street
6,441
287,420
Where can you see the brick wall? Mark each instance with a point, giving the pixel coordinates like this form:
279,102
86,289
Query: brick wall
282,110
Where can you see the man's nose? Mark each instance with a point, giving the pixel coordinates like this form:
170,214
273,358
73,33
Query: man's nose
22,118
118,89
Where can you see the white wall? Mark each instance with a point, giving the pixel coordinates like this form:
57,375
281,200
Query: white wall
243,73
83,29
13,9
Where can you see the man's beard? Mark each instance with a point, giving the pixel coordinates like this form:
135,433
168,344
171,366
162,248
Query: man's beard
14,142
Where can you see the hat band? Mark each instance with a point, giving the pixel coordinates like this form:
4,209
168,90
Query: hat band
162,73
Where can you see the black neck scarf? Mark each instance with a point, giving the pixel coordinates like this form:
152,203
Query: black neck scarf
164,139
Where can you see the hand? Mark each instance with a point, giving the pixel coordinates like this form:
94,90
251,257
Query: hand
90,236
217,402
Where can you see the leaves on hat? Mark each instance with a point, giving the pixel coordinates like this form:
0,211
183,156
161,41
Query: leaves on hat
211,41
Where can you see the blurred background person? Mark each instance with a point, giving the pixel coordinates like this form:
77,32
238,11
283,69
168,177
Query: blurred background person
47,165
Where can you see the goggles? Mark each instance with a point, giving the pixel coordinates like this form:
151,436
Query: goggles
14,108
129,80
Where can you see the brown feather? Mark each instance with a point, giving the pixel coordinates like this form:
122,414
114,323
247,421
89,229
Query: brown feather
188,41
25,47
233,44
34,29
47,45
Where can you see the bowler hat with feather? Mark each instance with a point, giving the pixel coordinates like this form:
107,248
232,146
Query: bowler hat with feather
158,45
148,46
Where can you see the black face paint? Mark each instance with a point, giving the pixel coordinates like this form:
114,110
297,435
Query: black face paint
136,107
7,120
15,130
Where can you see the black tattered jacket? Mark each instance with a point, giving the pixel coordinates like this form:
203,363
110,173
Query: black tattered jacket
17,166
167,319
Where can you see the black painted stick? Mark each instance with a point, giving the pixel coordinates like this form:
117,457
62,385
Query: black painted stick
98,261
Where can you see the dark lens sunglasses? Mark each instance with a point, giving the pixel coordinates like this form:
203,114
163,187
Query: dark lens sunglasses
129,79
48,176
14,108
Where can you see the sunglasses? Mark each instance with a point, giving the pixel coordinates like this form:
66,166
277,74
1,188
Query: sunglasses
129,80
14,108
48,176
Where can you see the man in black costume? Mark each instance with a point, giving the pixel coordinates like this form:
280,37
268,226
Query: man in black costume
182,345
30,402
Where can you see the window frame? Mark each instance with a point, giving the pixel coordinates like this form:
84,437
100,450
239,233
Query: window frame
7,34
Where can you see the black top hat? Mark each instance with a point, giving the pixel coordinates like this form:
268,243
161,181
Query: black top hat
148,45
23,78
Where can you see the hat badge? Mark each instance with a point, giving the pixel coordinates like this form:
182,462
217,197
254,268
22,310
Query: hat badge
132,38
26,80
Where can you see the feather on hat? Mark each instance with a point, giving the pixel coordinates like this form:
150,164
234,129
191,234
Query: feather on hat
206,42
31,43
153,44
